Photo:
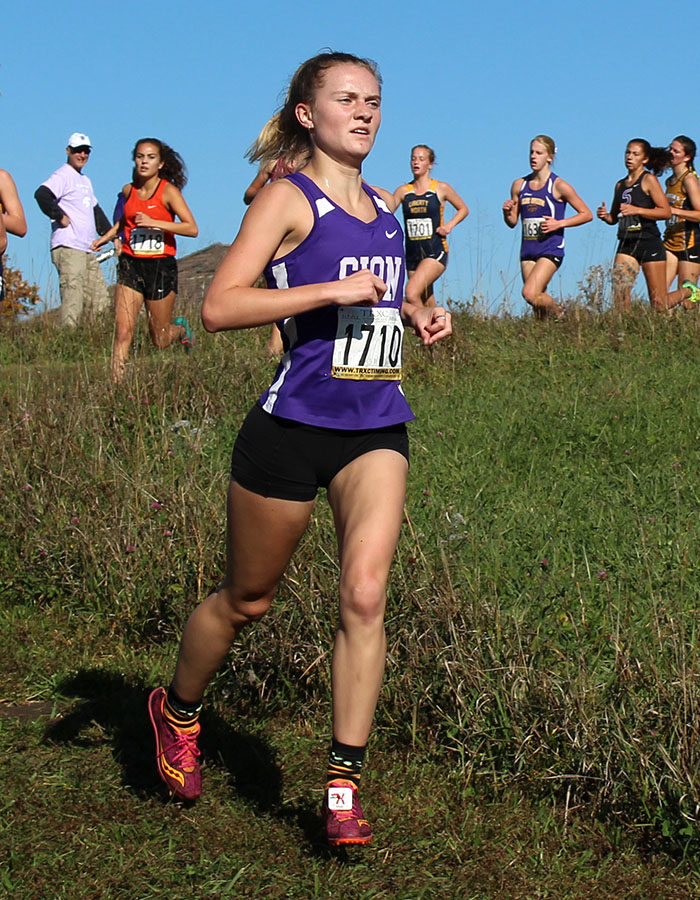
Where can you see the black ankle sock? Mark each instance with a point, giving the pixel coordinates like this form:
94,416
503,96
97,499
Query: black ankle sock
179,710
345,761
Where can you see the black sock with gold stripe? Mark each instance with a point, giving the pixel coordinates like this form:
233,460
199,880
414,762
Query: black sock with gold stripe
345,761
178,712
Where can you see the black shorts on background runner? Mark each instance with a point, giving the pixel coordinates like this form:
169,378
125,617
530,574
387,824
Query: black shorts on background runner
154,278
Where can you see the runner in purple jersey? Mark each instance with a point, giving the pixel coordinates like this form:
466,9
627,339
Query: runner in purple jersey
540,199
342,367
334,417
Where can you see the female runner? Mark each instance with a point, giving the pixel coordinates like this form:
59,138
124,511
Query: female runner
334,417
540,200
147,269
282,163
638,203
682,235
423,202
12,220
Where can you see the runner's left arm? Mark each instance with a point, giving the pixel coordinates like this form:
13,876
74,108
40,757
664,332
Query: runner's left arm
447,193
583,213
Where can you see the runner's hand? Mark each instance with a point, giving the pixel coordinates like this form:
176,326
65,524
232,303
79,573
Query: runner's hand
142,219
430,324
362,288
549,224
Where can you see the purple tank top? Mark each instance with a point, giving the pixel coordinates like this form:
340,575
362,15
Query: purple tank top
534,205
342,365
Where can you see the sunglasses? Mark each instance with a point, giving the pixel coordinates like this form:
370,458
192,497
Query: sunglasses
75,150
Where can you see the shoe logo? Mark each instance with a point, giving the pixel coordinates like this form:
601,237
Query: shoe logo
390,234
340,798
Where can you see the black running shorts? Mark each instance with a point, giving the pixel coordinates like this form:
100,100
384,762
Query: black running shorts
277,457
153,278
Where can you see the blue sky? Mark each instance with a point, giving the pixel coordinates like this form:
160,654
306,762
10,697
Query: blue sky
473,82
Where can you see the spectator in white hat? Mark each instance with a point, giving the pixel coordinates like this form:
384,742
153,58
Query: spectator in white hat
68,199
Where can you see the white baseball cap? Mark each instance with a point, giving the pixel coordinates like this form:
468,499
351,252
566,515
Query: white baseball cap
79,140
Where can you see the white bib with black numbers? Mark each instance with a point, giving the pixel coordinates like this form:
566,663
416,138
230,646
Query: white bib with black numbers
367,344
532,229
419,229
146,241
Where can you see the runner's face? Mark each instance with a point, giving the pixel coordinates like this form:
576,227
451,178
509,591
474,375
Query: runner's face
539,156
634,157
147,160
420,162
345,113
678,154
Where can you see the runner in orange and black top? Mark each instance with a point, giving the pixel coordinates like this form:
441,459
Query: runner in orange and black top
638,204
147,268
423,201
682,235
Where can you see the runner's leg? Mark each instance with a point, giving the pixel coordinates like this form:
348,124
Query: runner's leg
537,273
127,305
262,534
367,535
625,270
419,289
163,332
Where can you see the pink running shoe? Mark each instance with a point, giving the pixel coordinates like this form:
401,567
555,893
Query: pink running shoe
345,821
177,753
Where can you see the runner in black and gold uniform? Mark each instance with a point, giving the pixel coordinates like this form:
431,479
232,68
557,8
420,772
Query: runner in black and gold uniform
682,235
423,202
638,204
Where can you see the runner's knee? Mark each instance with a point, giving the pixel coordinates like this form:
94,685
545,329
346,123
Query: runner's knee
244,607
363,598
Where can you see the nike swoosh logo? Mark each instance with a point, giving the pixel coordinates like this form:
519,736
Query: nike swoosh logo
390,234
150,207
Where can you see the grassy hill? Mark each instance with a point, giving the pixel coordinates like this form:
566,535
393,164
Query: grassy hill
537,735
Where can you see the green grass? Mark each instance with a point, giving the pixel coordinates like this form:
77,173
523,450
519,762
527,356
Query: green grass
537,735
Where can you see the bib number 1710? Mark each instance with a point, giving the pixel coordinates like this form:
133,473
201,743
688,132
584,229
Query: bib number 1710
368,344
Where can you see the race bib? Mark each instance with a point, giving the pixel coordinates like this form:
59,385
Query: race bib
367,344
419,229
628,223
146,241
532,229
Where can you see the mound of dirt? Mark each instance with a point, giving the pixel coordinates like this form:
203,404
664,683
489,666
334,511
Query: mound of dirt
195,272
